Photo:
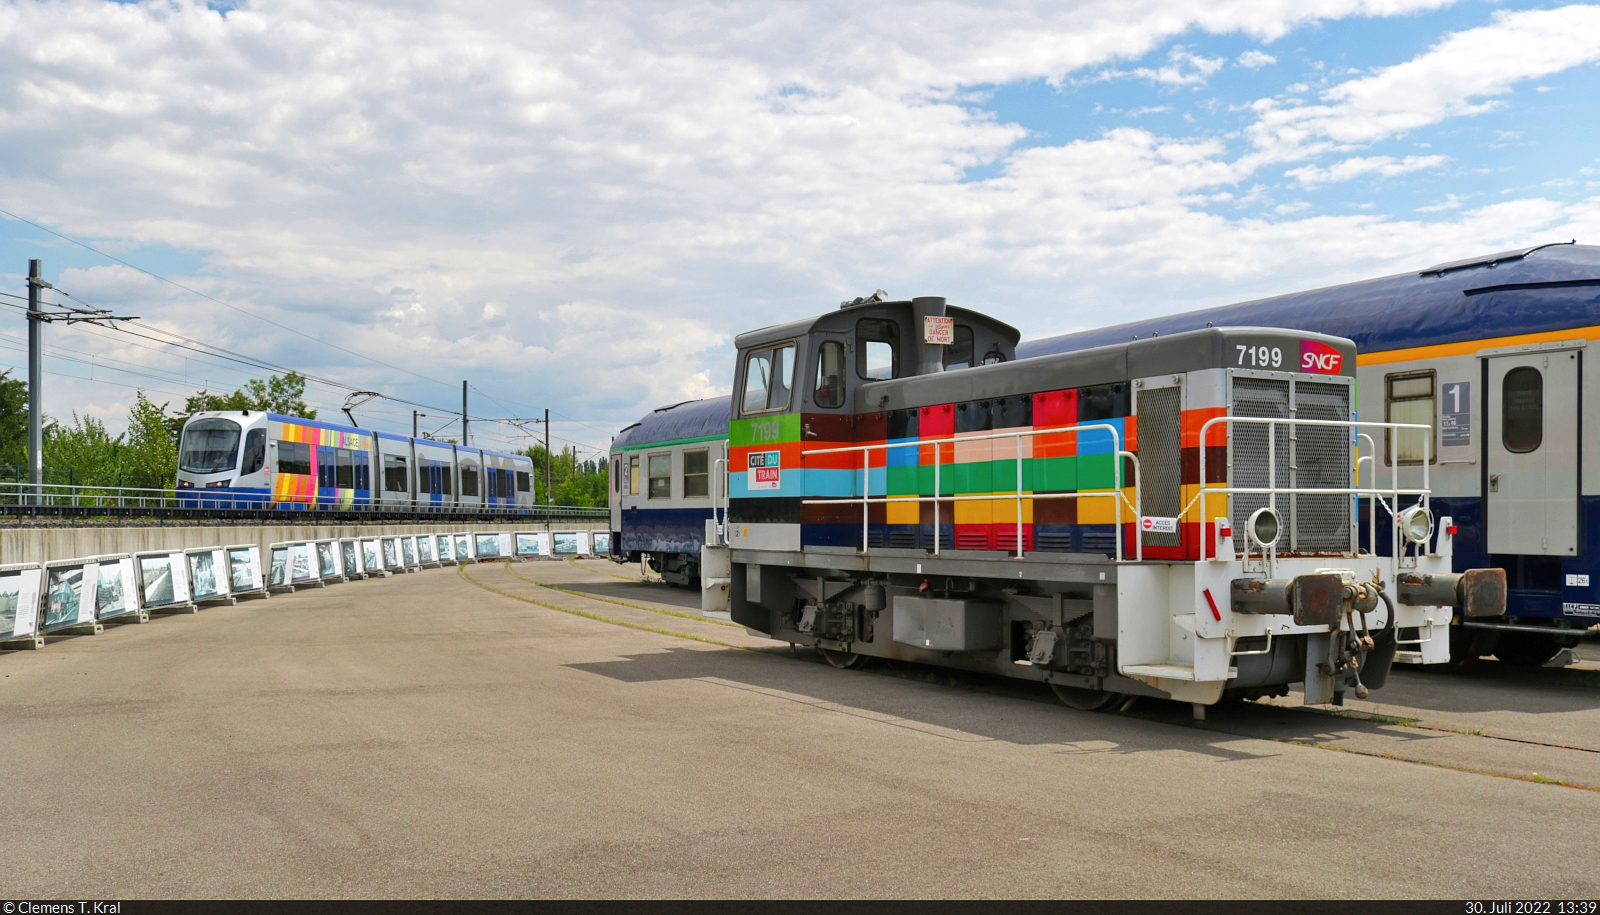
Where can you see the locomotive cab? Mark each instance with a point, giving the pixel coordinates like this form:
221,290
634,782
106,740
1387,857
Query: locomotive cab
827,379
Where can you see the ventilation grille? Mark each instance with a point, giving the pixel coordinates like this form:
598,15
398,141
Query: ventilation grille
1310,457
1322,461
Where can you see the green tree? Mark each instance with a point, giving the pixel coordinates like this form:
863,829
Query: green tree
573,482
150,458
83,453
13,420
285,394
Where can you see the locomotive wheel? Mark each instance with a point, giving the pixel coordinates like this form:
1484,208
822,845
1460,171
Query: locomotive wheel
1085,700
844,660
1525,649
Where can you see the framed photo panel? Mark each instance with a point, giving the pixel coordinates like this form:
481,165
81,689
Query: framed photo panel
117,591
244,568
19,600
163,579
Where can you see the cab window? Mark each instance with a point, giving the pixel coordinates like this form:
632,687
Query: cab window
768,374
209,446
877,349
255,451
830,375
958,355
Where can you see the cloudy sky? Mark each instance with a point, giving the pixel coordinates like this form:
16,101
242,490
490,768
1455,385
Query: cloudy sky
578,205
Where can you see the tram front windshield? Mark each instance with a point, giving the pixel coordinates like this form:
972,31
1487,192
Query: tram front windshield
209,446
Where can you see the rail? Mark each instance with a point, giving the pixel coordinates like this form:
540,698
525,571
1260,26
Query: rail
866,500
21,498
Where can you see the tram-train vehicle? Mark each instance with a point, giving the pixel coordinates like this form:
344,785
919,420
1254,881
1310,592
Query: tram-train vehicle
1137,518
1491,354
255,459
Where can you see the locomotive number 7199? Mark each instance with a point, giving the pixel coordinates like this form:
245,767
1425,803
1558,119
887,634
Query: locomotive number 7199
1260,357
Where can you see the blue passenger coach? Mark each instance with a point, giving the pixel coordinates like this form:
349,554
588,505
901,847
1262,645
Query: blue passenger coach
1490,352
668,477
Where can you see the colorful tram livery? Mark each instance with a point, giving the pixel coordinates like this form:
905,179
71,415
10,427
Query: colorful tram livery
253,459
1493,355
1132,519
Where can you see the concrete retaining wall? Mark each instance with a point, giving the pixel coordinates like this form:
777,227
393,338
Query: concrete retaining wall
42,544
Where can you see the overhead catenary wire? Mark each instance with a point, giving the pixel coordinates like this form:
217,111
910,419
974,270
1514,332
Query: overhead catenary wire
214,352
213,298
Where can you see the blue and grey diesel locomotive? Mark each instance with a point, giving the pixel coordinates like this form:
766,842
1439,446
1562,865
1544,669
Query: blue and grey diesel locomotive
254,459
1489,354
1139,518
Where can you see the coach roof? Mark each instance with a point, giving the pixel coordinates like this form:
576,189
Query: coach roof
1548,288
691,420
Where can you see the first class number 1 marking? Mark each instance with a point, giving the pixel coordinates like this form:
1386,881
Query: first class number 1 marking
1260,356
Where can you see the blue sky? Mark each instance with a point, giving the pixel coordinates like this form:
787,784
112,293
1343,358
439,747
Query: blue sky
578,207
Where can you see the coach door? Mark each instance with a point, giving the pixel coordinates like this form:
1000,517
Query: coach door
1531,418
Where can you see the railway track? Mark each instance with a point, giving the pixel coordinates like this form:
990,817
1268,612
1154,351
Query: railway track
1543,727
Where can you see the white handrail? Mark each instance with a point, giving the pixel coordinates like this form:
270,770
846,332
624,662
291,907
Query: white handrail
1274,490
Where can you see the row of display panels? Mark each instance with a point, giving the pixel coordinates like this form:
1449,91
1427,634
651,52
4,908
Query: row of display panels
37,599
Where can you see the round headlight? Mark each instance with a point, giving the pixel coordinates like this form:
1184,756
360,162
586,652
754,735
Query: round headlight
1416,524
1265,527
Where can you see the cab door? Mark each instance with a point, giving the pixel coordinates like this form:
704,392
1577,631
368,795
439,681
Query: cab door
1532,420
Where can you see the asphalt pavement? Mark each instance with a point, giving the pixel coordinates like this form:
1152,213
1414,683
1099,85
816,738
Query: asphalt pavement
551,730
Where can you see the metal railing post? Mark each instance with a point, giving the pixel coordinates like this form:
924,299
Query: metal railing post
938,533
1017,441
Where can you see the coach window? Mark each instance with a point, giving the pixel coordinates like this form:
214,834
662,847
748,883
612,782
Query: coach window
958,355
830,375
633,475
661,476
469,480
346,460
697,474
877,349
394,473
1409,398
1522,410
616,474
522,481
294,457
768,374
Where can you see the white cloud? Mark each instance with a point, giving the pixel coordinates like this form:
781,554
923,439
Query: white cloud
1183,68
1461,75
1255,59
1387,166
578,206
1450,202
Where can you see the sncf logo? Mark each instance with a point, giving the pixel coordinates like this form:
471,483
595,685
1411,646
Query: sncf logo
1320,358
